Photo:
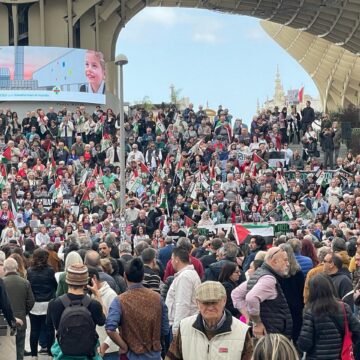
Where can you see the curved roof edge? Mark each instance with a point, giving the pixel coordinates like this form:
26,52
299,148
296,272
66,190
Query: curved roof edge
334,70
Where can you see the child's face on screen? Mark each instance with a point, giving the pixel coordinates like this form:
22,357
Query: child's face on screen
93,70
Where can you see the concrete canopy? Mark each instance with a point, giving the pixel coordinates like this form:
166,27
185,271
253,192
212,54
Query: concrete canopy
334,70
323,35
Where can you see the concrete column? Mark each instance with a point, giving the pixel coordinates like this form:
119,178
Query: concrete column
42,22
15,23
70,26
111,78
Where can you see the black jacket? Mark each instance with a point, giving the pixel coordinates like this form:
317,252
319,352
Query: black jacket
343,286
327,141
43,283
275,314
5,306
320,336
229,287
293,288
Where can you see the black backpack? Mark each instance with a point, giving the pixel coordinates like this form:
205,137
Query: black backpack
77,331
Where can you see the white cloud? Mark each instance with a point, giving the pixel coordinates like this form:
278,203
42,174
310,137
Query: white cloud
208,32
158,16
205,38
255,33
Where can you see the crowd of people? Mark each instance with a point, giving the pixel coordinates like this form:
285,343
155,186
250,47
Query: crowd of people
168,276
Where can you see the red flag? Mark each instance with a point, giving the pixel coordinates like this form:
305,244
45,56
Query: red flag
57,183
257,159
188,222
7,154
301,94
240,233
95,171
167,162
3,170
318,193
144,169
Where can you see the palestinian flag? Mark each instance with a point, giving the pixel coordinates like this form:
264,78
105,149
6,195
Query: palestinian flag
167,162
95,172
144,169
227,127
52,170
98,190
256,163
301,94
57,190
241,232
85,200
195,148
6,155
154,187
163,200
2,182
160,128
188,222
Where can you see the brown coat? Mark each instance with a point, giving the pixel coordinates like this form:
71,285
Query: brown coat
141,320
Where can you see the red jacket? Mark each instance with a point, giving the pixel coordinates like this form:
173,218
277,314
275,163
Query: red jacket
169,271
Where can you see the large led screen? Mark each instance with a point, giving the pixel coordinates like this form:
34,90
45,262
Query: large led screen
29,73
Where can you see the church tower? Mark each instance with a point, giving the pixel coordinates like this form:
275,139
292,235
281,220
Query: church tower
279,95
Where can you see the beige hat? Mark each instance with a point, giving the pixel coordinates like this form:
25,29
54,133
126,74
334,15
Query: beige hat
77,275
210,291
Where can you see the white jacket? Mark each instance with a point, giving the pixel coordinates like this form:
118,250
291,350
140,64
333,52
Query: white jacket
227,345
107,295
180,298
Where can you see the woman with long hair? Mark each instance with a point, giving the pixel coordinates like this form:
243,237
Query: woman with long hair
43,284
322,332
229,277
308,249
292,286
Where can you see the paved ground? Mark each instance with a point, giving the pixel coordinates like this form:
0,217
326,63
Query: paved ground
8,349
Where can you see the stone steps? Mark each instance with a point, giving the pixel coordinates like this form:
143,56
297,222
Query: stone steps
299,147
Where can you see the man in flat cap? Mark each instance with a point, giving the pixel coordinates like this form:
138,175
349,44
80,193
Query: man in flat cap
211,331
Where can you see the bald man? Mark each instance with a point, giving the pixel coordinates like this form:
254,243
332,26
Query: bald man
92,259
261,298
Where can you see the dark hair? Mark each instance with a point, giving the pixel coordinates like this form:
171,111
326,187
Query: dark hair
337,261
338,244
93,272
322,298
227,270
351,247
182,254
260,242
134,270
40,259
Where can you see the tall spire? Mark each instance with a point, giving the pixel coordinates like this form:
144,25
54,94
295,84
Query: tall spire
258,106
279,95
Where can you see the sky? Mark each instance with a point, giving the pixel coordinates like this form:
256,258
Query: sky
213,58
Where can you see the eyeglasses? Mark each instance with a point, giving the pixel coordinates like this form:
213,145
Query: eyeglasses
277,251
